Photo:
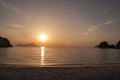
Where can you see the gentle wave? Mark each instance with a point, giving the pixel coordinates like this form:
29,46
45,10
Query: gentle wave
57,56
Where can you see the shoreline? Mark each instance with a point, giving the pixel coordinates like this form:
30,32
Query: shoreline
84,72
68,65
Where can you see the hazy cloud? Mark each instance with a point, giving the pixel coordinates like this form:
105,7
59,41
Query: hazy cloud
16,26
95,29
110,22
105,11
91,30
85,33
15,9
11,25
7,5
28,18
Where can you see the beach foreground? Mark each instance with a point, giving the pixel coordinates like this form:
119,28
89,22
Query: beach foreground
95,72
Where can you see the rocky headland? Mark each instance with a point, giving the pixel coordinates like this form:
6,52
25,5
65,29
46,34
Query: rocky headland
104,45
4,42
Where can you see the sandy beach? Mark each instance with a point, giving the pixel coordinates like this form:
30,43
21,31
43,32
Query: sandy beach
88,72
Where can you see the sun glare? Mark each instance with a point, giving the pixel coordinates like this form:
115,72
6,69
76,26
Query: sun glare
43,37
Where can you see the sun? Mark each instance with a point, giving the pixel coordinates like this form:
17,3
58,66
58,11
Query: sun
43,37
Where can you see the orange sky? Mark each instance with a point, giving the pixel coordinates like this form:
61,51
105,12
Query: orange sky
66,22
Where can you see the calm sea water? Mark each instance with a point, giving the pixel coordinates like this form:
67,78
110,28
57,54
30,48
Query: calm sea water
43,56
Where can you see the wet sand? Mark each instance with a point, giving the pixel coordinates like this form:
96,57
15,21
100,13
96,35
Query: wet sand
83,72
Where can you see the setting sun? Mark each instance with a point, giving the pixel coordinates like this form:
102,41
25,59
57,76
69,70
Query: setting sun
43,37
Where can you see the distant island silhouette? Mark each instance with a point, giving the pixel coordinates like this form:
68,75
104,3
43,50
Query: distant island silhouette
4,42
27,45
105,45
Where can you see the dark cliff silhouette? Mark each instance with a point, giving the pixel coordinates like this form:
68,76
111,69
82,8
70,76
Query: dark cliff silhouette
4,42
104,45
112,46
118,45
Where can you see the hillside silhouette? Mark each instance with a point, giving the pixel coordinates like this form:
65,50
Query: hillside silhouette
4,42
27,45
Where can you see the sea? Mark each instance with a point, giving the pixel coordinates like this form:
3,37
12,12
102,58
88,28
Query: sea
52,56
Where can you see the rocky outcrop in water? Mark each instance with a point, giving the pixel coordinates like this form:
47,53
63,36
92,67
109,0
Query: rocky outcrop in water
104,45
4,42
118,45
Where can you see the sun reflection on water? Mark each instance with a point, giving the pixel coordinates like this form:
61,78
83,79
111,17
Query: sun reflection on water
42,55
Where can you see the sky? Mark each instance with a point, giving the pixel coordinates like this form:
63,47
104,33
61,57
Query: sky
81,23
